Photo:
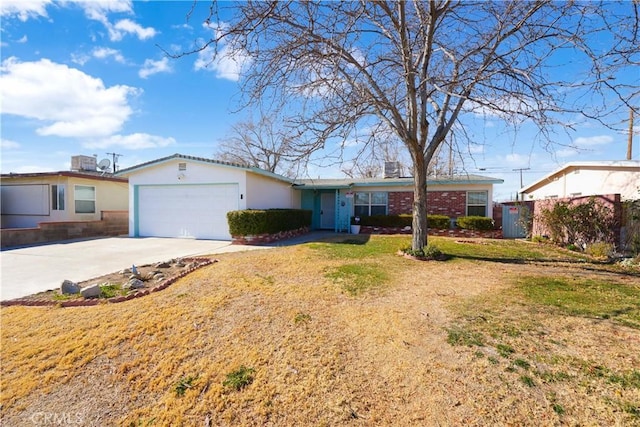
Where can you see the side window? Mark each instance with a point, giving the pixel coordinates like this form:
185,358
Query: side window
57,197
85,199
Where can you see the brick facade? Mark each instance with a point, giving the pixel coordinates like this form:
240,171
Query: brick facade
450,203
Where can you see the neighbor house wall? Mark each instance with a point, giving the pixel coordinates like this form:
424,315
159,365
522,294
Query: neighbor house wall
27,202
113,223
586,181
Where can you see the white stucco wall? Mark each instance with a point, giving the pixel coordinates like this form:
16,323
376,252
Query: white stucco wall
267,193
587,182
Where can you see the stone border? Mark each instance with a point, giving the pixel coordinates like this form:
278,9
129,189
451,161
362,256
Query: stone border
455,232
202,262
262,239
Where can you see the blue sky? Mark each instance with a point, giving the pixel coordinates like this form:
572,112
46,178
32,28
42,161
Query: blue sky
88,77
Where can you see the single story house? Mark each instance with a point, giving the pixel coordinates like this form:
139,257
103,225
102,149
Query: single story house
579,179
335,201
28,199
185,196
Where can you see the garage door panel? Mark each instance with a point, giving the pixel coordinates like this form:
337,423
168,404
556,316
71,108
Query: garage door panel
194,211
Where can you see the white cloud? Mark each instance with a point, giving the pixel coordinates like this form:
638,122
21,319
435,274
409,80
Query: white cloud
7,144
151,67
106,52
69,102
127,26
566,152
136,141
24,9
593,140
80,58
227,64
98,10
515,159
22,39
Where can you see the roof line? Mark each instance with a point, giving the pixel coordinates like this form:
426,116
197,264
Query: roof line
248,168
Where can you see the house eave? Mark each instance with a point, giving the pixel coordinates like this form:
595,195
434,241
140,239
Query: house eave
202,160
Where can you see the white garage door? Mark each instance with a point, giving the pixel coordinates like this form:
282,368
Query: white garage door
196,211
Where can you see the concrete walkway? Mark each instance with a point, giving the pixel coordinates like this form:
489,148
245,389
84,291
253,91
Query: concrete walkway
29,270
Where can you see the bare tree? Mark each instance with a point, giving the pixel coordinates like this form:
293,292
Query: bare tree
420,66
264,144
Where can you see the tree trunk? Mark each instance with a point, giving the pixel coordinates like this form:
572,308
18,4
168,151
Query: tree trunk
419,238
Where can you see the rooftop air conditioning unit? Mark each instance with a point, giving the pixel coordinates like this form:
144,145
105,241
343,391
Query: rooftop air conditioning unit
83,163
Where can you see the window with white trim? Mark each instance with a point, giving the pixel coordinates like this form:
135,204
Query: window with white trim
477,202
370,203
57,197
85,198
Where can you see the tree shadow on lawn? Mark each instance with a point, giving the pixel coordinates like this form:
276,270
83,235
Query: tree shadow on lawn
592,266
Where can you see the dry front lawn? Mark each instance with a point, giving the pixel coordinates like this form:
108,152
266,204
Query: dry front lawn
342,333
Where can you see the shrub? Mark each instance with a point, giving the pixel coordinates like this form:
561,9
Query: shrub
439,222
255,222
601,250
579,223
631,222
475,223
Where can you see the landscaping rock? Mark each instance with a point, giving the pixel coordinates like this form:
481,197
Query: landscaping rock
135,284
91,291
163,265
158,276
68,287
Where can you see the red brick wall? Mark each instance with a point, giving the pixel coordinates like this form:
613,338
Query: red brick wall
612,201
450,203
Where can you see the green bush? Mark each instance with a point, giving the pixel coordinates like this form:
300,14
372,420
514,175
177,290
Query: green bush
579,223
270,221
475,223
438,222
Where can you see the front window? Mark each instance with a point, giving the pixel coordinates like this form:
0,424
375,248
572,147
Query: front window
85,198
57,197
370,204
477,203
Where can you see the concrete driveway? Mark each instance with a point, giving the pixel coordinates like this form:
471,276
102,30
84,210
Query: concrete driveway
29,270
